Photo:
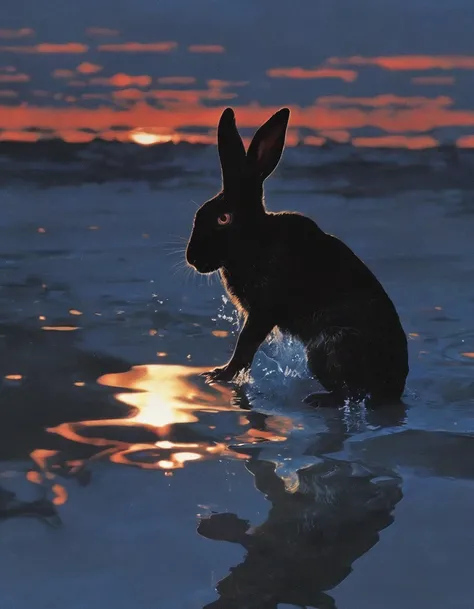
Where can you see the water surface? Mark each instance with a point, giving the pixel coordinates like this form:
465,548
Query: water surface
145,486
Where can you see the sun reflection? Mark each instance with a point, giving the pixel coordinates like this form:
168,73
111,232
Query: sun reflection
60,328
164,398
60,494
165,394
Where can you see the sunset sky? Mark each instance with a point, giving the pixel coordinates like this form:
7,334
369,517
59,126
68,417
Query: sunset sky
369,72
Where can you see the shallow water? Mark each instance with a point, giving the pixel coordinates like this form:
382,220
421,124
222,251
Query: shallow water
149,488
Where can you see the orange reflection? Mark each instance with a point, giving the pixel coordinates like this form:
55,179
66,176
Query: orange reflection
469,355
139,47
409,62
163,396
34,477
46,47
41,457
60,494
206,48
13,377
23,32
302,73
220,333
166,394
60,328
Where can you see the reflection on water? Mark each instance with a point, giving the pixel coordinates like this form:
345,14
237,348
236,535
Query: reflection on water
166,400
310,538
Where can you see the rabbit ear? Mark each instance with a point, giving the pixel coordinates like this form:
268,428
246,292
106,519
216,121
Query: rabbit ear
267,144
231,148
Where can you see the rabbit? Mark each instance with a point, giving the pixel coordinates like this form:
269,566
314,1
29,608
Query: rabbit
281,270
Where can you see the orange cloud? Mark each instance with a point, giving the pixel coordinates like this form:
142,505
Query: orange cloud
177,80
19,136
187,97
314,140
301,73
410,62
123,80
341,136
94,96
68,47
179,111
433,80
101,31
384,101
139,47
129,94
465,141
14,78
63,74
75,137
221,84
190,96
88,68
396,141
206,48
23,32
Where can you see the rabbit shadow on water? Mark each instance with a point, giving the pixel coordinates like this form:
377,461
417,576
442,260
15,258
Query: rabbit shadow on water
323,516
282,271
312,534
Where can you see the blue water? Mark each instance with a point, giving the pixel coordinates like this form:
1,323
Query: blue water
144,486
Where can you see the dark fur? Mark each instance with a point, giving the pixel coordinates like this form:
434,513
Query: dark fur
281,270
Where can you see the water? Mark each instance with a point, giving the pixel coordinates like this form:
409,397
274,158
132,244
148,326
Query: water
126,480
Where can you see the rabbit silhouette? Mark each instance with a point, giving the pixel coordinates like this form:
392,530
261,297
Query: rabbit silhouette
282,270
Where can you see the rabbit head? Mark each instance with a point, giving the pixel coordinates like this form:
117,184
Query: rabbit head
230,220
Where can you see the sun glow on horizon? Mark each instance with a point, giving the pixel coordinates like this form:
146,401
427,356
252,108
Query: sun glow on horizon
148,138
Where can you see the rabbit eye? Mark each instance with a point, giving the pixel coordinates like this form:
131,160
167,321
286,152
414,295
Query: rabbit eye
224,219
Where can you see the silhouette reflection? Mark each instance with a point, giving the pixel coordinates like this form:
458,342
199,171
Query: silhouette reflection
318,525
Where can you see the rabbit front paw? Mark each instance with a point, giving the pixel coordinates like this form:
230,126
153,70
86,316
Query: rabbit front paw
223,374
